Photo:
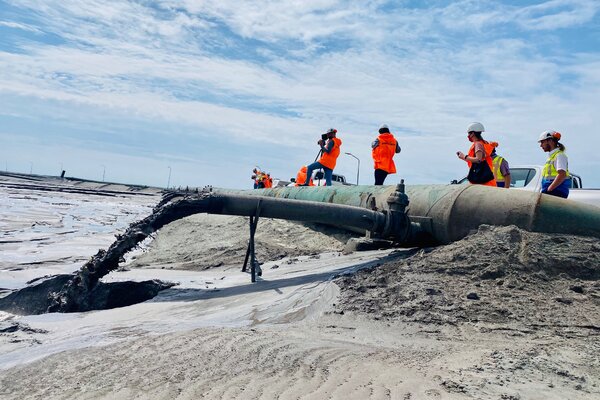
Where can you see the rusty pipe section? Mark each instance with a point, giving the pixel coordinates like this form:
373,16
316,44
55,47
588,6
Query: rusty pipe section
449,212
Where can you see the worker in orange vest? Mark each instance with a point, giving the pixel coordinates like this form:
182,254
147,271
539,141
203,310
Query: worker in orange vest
330,151
261,179
479,157
383,150
268,181
301,177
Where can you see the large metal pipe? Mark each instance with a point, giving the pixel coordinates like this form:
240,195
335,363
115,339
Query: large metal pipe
457,209
297,210
450,212
75,294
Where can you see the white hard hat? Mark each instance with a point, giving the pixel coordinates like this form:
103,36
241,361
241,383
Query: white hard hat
549,135
475,127
384,126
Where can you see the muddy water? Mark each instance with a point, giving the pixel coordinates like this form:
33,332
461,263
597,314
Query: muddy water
54,226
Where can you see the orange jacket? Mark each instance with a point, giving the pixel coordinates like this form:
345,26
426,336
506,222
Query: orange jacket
301,177
328,160
268,182
488,150
384,153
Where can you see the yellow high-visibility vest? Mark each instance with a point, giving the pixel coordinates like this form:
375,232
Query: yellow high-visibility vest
549,172
497,162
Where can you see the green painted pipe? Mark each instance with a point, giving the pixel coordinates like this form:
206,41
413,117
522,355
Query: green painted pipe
449,212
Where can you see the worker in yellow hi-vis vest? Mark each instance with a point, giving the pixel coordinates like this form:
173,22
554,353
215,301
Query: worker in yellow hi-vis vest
501,169
556,180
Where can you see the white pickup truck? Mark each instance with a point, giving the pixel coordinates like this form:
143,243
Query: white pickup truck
529,177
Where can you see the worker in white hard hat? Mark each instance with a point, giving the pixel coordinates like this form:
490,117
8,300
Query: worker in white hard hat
383,150
556,180
479,157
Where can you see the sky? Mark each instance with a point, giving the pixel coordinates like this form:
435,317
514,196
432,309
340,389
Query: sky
195,92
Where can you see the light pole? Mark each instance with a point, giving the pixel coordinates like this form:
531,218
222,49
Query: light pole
358,168
169,180
103,172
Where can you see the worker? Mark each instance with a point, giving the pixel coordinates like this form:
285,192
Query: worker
301,177
255,177
501,168
268,181
260,179
479,157
383,150
330,151
556,180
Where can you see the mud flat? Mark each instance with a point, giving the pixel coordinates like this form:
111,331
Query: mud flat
54,224
502,314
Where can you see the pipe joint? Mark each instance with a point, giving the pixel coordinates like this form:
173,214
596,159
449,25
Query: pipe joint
398,200
397,223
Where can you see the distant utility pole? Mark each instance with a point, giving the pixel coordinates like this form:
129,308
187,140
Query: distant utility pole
103,172
30,167
169,180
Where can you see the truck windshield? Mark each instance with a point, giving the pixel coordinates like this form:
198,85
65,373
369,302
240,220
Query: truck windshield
520,177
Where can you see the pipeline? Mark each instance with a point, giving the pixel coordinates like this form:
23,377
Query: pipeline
447,213
435,214
75,294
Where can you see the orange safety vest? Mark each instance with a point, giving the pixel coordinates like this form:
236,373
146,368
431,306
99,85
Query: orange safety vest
301,177
488,150
384,153
328,160
268,182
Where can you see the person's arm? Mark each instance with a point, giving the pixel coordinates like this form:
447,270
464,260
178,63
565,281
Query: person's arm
505,171
375,143
562,175
479,153
561,165
398,149
479,156
329,146
507,181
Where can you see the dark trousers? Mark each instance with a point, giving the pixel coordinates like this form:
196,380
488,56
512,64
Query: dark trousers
326,171
380,176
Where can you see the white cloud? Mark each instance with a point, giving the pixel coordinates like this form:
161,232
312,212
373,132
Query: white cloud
20,26
549,15
311,65
557,14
